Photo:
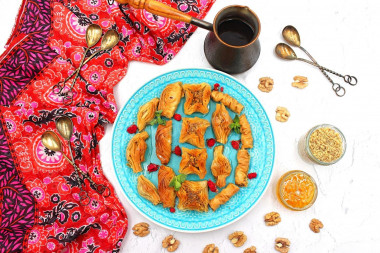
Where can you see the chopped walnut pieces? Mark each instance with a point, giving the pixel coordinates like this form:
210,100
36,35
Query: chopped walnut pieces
266,84
282,114
315,225
300,82
170,243
282,245
141,229
251,249
211,248
326,144
272,219
237,238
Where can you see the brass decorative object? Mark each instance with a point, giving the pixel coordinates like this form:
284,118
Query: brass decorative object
93,35
284,51
51,141
232,44
64,126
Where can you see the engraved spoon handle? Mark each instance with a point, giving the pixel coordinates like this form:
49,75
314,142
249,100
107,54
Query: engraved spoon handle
352,80
338,89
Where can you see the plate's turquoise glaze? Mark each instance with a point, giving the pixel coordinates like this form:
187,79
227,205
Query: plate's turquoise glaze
262,155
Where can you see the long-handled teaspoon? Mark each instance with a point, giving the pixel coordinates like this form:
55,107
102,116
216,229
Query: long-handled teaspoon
292,36
65,127
93,35
51,141
109,40
286,52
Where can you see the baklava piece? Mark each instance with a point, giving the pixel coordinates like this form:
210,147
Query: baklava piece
227,100
170,98
167,193
220,167
193,196
221,121
135,152
164,142
246,133
193,162
222,197
197,98
146,113
193,131
241,171
147,190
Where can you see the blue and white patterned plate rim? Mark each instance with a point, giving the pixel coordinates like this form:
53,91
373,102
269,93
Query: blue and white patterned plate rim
182,229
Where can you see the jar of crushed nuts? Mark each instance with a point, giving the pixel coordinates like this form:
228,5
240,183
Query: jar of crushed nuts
323,144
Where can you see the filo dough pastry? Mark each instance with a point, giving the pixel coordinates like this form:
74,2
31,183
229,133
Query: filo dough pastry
193,195
193,131
146,113
193,162
221,121
164,142
246,133
170,98
147,190
227,100
197,98
166,192
135,152
223,196
241,171
220,167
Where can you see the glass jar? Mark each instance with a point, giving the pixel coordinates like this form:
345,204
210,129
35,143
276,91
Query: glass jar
297,190
323,144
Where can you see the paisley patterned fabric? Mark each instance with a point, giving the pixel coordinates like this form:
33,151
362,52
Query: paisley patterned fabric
39,193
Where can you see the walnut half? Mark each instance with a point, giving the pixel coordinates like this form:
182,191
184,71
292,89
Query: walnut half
170,243
300,82
211,248
266,84
315,225
282,114
141,229
237,238
282,245
251,249
272,219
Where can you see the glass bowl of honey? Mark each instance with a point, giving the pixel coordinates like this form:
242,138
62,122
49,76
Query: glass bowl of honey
297,190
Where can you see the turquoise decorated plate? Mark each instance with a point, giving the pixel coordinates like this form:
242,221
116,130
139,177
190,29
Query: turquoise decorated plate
262,155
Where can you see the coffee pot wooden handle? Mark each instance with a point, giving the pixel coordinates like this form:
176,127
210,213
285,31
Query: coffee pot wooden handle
158,8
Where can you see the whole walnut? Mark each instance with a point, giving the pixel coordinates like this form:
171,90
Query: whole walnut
315,225
170,243
282,245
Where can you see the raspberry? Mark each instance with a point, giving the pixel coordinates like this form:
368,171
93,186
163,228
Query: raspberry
216,86
177,117
252,175
172,209
212,186
177,151
211,142
152,167
221,89
235,144
132,129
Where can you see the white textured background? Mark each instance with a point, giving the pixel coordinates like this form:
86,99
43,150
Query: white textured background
342,35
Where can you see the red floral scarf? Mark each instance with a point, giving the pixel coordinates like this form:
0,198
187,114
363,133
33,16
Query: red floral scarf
39,202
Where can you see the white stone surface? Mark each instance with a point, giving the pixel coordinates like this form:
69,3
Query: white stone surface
342,35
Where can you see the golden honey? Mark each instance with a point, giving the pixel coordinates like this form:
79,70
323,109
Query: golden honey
297,190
